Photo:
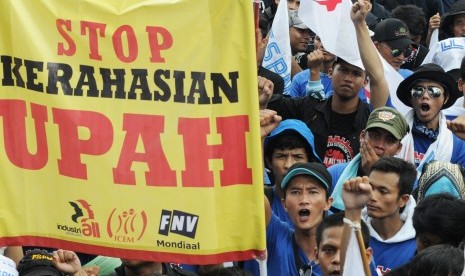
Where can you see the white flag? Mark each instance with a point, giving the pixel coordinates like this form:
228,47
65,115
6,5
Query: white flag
278,51
330,20
353,264
432,45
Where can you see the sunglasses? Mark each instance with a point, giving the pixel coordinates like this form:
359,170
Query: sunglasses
397,52
418,91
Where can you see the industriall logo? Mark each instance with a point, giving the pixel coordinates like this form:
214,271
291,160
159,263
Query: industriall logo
83,218
126,226
180,223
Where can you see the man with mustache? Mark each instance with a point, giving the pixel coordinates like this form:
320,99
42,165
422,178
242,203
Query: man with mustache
387,207
385,129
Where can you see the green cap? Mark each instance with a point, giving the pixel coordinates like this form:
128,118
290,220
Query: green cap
388,119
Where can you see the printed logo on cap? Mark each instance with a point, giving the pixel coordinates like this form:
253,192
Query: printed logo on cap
386,115
402,31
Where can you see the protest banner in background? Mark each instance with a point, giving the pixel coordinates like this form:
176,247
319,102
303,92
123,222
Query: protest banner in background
130,129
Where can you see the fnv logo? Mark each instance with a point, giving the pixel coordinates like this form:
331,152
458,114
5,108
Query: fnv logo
126,225
178,222
84,215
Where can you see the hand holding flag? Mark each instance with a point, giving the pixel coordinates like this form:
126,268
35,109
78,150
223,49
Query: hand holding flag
356,193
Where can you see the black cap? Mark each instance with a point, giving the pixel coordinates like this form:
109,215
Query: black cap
393,32
433,72
37,262
315,170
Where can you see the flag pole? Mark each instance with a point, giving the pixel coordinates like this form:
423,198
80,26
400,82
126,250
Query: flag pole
256,8
361,246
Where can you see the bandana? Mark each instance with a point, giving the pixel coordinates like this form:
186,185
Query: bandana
419,128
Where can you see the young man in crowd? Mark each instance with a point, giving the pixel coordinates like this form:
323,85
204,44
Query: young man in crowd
306,198
385,129
291,142
414,17
428,90
329,237
389,210
300,36
392,39
307,82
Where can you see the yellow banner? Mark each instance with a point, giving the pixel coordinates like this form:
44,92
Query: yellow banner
130,128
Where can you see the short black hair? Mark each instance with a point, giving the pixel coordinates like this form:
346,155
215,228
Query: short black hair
438,260
441,215
337,219
406,171
413,16
339,60
288,140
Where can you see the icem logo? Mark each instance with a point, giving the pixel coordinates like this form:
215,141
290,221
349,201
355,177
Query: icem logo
126,225
178,222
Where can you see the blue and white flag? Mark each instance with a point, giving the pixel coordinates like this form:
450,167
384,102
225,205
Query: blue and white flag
278,51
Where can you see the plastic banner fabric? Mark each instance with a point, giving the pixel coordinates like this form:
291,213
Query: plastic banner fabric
130,129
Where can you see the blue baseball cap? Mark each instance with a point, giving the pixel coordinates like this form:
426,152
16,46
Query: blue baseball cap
313,169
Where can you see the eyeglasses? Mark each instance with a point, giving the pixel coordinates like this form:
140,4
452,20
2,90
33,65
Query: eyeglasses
306,270
397,52
433,91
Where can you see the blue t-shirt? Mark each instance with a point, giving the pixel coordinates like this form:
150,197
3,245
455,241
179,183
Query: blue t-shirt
279,240
421,144
299,83
388,256
279,211
405,73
